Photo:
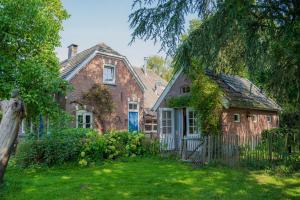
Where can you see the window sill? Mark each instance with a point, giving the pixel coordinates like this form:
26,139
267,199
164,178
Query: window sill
109,83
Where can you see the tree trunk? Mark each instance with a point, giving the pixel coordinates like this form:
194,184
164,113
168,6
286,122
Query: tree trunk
13,113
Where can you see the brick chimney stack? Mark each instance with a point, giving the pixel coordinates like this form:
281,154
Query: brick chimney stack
72,50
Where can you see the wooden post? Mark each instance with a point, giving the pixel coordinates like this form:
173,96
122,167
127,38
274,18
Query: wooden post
13,113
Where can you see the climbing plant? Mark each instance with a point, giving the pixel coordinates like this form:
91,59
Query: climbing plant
100,99
179,101
206,99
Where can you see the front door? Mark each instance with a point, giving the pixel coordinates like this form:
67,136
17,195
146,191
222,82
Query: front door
133,122
167,135
133,116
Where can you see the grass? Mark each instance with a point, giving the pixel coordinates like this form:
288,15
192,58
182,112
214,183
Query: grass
148,178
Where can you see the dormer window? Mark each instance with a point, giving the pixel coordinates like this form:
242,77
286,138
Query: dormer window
185,90
109,74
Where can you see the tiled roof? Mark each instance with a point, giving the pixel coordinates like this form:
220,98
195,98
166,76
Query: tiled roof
242,93
67,66
154,86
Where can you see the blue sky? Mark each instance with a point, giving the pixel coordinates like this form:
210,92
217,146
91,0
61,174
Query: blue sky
95,21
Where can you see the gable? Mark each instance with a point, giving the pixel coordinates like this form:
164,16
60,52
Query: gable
72,66
173,88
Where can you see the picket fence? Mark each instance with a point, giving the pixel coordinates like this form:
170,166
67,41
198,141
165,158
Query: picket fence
230,149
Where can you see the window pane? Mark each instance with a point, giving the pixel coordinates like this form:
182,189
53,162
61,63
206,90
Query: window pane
109,73
80,121
87,125
155,127
148,127
169,114
87,119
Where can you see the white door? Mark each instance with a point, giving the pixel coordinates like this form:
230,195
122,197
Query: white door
167,137
193,131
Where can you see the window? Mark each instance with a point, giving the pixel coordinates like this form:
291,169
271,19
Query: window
236,118
150,125
109,74
254,118
166,121
185,89
83,119
192,122
269,118
133,106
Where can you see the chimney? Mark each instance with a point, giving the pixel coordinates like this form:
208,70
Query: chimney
145,65
72,50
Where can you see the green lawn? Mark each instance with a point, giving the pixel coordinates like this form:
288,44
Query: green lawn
146,179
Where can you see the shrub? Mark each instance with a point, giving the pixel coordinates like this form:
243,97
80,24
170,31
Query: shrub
50,150
82,145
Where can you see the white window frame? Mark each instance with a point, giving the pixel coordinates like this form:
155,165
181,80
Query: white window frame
188,110
239,117
269,119
150,124
137,106
114,75
84,113
172,121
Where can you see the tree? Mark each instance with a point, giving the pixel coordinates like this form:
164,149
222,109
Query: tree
29,33
235,36
13,114
159,65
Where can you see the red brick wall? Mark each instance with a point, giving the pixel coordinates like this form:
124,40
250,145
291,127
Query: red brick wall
181,81
126,87
247,126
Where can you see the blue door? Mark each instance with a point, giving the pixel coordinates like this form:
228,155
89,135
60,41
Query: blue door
133,122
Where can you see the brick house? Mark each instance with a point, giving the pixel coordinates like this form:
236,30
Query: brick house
101,64
246,109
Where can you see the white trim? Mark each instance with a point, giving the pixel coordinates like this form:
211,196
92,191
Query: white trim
84,113
79,67
166,90
127,63
239,117
114,78
172,120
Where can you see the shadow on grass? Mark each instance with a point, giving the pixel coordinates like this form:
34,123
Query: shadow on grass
147,179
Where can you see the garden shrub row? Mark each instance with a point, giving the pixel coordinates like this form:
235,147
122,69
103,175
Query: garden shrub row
82,146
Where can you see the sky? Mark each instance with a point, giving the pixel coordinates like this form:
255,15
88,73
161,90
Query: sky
96,21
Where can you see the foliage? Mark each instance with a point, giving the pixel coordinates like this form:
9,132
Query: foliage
29,33
179,102
160,66
100,100
283,139
207,100
161,178
261,37
85,145
54,149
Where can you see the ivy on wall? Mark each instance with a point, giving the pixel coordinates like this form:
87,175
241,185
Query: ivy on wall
179,101
206,99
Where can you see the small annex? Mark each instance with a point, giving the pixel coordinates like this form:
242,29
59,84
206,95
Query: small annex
247,110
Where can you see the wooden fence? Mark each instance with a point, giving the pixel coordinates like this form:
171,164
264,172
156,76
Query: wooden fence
231,149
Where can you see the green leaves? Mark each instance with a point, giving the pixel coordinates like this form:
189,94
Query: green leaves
29,33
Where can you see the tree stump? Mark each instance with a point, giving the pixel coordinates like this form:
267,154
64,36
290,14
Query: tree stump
13,113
